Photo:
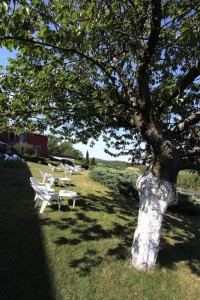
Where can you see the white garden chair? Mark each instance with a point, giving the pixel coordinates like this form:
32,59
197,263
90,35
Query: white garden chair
53,168
41,185
45,196
44,176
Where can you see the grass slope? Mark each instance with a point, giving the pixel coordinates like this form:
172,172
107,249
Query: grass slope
83,252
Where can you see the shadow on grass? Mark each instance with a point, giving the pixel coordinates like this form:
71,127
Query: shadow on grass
24,272
185,233
85,227
183,230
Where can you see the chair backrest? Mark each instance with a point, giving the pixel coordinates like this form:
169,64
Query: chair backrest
42,172
37,189
34,181
50,176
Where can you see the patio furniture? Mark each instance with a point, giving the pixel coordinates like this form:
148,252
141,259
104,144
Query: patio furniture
52,179
70,194
54,168
41,185
45,196
65,180
44,176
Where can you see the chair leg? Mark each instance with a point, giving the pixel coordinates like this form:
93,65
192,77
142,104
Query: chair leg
74,201
44,204
59,203
36,202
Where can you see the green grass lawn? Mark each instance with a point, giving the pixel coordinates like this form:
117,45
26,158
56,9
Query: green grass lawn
83,252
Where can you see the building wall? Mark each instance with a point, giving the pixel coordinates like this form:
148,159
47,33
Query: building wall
38,141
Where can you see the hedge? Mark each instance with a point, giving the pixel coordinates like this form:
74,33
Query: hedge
125,183
120,181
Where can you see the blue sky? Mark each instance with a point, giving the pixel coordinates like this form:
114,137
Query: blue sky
96,151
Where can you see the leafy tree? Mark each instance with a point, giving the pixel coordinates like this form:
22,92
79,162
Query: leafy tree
55,146
68,150
93,67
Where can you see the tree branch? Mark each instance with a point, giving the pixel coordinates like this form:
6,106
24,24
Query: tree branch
191,120
154,34
192,74
143,78
63,49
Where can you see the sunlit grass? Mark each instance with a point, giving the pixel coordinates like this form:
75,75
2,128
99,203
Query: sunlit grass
83,252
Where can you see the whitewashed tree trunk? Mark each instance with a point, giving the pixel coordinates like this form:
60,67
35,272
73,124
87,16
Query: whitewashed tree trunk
155,196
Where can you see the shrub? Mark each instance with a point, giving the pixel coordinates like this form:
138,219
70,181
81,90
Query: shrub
24,148
186,205
120,181
15,164
189,180
125,183
35,159
85,166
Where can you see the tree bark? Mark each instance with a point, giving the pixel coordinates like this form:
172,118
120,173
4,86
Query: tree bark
155,196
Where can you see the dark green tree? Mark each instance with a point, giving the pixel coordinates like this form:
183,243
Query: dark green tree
90,68
93,162
87,158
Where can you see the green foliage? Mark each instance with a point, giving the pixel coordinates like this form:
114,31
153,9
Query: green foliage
119,165
120,181
86,167
24,149
186,205
35,159
189,181
54,145
93,161
57,146
126,70
15,164
125,183
87,159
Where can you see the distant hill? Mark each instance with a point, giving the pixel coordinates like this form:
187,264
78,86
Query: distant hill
118,164
113,162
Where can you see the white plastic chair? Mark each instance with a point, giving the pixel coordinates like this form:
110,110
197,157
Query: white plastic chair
53,168
44,176
45,196
41,185
52,180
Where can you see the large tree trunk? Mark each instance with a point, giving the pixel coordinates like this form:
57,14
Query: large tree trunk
155,196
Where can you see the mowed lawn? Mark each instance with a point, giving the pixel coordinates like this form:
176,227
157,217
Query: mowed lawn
83,252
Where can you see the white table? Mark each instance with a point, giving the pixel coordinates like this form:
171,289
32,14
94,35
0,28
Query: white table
71,194
65,180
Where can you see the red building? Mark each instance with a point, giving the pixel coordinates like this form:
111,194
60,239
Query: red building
38,140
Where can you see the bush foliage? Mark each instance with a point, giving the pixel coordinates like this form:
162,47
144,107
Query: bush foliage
189,180
15,164
35,159
24,148
120,181
125,183
186,205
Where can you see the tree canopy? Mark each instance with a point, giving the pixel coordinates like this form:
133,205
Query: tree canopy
126,69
